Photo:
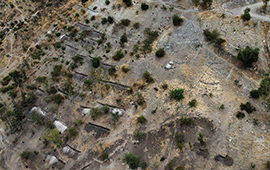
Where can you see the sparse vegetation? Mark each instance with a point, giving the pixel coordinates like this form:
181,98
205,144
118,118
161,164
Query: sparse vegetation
138,134
25,154
180,139
186,121
201,139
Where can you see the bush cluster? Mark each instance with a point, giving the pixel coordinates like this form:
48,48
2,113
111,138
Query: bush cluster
248,56
177,94
177,21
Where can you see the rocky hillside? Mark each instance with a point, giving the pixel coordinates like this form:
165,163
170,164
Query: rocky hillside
104,84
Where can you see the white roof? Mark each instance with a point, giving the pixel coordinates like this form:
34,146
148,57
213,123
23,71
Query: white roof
60,126
52,159
38,109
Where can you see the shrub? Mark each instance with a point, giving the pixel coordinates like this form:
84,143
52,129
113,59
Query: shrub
125,69
141,120
140,100
88,83
179,168
104,21
186,121
104,156
143,165
162,158
248,56
247,107
196,2
57,98
37,118
264,88
105,109
177,20
72,132
192,103
268,164
125,22
206,3
12,94
87,21
52,90
112,71
83,1
95,112
144,6
54,136
240,115
107,2
128,2
164,86
151,37
57,34
180,139
56,71
138,134
25,154
110,19
211,36
147,76
246,16
136,25
31,86
78,122
160,52
41,79
177,94
118,55
5,80
201,139
221,107
123,38
132,160
78,59
95,62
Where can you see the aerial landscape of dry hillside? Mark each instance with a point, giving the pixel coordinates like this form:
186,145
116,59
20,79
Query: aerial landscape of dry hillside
122,84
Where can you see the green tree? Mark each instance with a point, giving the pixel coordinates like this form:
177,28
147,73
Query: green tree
255,94
246,16
128,2
177,94
144,6
95,62
265,2
54,136
177,20
160,52
72,132
248,56
132,160
25,154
